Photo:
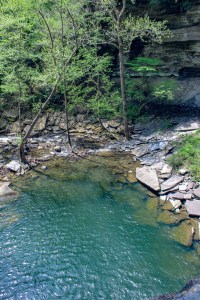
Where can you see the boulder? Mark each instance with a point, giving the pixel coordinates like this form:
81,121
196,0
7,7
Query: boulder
13,166
193,207
171,182
6,191
41,124
148,177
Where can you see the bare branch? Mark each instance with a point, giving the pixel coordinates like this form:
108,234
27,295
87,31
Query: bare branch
50,35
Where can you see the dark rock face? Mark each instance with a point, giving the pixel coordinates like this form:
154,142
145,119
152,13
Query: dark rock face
190,292
180,54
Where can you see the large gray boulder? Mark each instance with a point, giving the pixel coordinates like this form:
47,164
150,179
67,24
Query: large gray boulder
148,177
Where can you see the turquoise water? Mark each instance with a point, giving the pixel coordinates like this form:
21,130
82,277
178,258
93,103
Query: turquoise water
79,239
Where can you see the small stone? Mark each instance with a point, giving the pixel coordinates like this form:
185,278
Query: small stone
175,203
163,198
57,149
183,171
44,167
40,147
183,187
166,169
190,185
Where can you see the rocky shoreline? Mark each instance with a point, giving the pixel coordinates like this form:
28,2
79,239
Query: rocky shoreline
179,202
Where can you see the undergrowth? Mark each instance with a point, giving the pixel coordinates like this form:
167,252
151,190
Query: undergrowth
188,154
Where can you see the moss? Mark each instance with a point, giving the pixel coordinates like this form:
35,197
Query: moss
188,154
167,218
183,234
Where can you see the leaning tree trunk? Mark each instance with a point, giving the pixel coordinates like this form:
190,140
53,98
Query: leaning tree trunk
66,113
27,135
123,89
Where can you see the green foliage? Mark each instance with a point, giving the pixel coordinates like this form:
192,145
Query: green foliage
188,154
164,90
141,91
89,84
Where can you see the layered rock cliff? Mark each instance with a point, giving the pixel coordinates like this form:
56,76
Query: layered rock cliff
180,55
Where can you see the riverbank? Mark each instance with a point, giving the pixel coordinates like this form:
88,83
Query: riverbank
151,145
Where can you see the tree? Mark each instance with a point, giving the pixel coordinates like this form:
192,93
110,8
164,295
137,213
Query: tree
90,85
119,29
19,65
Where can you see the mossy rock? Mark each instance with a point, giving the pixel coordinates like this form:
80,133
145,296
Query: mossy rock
152,206
121,179
183,234
168,218
131,177
167,205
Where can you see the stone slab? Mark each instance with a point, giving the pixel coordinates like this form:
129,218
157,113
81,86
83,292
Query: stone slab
197,192
171,182
193,207
148,177
188,126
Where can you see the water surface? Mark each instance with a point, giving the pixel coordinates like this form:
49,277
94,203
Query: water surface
82,235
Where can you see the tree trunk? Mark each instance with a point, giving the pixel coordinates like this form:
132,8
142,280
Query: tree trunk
25,138
20,119
66,113
123,88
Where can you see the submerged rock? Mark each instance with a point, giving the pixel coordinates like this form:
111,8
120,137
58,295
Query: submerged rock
149,177
168,218
183,234
131,177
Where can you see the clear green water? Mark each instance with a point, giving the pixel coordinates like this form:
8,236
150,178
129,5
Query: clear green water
77,238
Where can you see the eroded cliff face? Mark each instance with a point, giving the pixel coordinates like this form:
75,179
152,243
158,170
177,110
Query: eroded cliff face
180,54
